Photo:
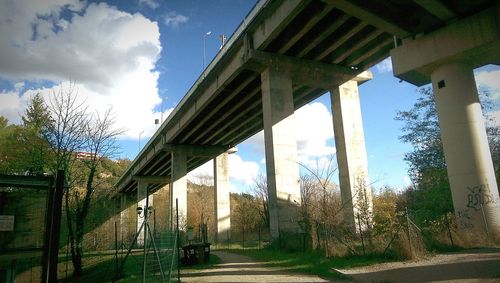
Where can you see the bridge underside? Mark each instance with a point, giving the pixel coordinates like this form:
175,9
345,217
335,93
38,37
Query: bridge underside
319,45
353,35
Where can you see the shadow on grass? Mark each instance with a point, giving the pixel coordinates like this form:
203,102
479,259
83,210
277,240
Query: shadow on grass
213,260
103,268
312,262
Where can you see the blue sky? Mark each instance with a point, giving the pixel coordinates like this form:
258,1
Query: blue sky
141,56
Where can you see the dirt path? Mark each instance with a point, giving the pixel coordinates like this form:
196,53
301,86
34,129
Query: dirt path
468,266
238,268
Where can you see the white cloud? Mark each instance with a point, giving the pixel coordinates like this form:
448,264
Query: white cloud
385,66
109,54
11,105
173,19
153,4
313,130
489,80
239,170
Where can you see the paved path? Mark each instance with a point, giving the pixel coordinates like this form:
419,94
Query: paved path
481,265
238,268
466,266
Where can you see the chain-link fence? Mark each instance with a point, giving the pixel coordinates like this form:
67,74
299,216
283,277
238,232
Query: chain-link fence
30,214
124,240
22,219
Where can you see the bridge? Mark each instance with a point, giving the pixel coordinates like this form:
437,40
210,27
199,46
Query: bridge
287,53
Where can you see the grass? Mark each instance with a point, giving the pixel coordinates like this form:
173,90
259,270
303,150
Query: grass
311,262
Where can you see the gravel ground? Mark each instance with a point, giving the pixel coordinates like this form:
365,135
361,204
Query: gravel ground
238,268
482,265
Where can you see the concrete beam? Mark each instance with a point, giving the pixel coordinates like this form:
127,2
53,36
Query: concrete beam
152,179
274,24
281,152
302,71
226,99
305,29
197,150
373,19
474,40
341,40
327,32
437,8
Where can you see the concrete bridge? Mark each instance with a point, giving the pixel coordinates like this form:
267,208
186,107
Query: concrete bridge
287,53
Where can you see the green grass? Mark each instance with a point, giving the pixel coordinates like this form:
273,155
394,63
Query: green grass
312,262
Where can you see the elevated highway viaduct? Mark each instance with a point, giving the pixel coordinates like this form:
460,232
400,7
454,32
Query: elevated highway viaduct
287,53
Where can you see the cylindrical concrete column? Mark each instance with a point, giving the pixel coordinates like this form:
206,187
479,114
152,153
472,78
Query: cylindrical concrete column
467,153
222,199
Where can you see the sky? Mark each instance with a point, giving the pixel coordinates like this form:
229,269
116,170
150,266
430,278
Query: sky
140,57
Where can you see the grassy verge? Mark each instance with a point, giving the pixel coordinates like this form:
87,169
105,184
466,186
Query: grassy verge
312,262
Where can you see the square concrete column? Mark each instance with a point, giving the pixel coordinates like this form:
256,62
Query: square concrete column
124,218
282,168
222,199
470,168
178,188
354,182
144,201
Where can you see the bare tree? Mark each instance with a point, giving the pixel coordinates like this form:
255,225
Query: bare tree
73,130
260,191
67,127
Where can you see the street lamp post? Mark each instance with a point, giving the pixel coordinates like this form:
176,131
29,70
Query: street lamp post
140,140
204,38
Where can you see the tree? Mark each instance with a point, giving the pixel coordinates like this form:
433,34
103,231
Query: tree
100,143
430,198
260,191
245,213
4,122
71,130
37,149
24,150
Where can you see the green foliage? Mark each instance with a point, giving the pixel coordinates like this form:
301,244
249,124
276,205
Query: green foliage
22,150
245,212
36,116
385,212
429,200
421,130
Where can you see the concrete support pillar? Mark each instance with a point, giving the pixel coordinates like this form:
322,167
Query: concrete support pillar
352,162
178,188
222,199
143,202
281,152
124,219
468,158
